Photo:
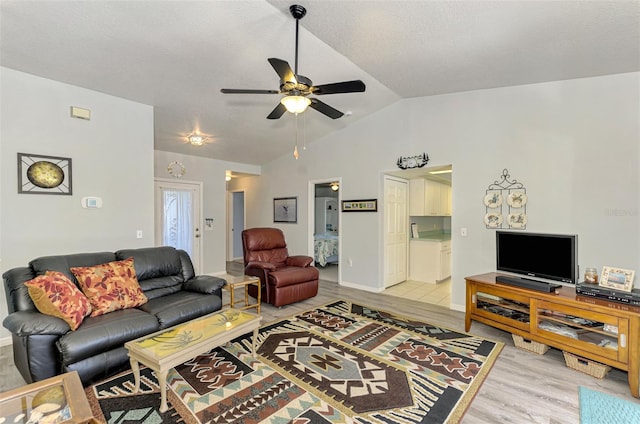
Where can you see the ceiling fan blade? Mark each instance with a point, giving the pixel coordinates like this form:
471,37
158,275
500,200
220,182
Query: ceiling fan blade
339,87
244,91
277,112
325,109
283,70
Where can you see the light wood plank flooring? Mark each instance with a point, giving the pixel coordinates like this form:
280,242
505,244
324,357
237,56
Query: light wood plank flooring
522,387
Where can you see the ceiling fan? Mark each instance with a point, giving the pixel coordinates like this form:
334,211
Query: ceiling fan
297,88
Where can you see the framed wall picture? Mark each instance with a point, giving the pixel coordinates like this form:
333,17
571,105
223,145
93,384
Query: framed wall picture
285,209
365,205
617,279
40,174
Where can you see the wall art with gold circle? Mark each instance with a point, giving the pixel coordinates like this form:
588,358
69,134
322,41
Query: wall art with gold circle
40,174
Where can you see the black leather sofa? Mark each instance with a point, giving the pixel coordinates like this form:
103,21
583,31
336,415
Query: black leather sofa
44,346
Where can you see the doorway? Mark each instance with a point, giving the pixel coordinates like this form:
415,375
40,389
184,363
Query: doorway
324,227
236,221
396,230
178,217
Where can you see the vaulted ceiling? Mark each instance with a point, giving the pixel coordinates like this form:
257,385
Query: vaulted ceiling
177,55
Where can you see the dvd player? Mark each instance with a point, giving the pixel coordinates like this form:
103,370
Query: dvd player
528,283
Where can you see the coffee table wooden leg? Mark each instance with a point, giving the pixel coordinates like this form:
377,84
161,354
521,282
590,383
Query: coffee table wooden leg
136,374
162,381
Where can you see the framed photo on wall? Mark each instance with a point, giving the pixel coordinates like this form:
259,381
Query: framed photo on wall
365,205
285,209
617,279
40,174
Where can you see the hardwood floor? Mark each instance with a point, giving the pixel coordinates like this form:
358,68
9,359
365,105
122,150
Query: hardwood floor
522,387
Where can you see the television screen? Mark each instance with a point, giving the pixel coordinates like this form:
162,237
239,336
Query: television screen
549,256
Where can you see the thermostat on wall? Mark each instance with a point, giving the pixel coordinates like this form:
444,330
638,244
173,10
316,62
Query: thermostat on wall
91,202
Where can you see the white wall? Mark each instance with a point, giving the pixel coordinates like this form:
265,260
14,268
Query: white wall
112,157
211,173
573,144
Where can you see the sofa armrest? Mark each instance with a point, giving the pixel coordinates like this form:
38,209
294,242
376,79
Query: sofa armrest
261,265
299,260
206,284
29,323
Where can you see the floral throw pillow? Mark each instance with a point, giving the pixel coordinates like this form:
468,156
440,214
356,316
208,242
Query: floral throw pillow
54,294
111,286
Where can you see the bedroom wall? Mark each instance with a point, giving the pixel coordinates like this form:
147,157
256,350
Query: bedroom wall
574,145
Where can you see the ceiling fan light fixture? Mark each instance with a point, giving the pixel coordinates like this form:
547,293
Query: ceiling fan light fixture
295,104
196,139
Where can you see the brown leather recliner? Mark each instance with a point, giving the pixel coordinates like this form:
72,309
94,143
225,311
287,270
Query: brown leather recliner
285,279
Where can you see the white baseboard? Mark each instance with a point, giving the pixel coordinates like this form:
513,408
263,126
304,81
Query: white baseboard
460,308
361,287
6,341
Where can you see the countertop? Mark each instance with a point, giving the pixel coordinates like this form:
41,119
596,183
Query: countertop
433,236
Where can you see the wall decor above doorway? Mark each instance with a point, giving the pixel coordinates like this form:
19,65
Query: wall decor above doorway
40,174
365,205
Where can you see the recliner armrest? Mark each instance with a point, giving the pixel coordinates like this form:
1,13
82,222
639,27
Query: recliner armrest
28,323
299,260
261,265
206,284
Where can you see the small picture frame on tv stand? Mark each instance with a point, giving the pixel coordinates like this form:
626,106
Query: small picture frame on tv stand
617,279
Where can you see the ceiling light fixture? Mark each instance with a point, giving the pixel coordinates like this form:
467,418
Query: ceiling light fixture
227,176
295,104
196,139
335,186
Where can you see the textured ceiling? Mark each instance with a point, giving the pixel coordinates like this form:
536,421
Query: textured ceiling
177,55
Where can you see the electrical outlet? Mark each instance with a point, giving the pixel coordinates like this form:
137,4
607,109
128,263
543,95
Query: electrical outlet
463,231
350,262
139,234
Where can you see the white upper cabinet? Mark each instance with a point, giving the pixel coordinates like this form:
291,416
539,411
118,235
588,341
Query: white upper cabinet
429,198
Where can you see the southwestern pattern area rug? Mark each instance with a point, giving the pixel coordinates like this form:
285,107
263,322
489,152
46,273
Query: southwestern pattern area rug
338,363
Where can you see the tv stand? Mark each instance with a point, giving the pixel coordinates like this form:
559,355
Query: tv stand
528,283
600,330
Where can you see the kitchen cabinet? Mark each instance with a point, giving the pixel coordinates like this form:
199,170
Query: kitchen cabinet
429,260
429,198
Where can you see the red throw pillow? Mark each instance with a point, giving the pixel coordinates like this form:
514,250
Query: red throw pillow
111,286
54,294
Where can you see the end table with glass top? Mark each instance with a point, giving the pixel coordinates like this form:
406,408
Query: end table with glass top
238,281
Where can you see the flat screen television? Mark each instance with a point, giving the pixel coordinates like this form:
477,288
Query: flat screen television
546,256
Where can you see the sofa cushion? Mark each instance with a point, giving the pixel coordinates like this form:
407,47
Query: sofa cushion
63,263
54,294
181,306
153,262
105,332
111,286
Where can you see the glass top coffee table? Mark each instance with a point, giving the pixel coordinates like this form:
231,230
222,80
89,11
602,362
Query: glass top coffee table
173,346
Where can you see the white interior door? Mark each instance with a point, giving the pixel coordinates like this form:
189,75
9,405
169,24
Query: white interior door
396,231
236,221
178,217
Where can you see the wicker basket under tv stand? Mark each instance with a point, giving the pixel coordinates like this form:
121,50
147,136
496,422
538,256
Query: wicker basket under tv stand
555,318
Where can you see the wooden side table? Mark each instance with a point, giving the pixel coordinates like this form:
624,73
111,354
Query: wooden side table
234,282
56,399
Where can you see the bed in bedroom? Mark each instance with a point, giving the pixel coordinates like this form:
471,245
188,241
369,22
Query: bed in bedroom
325,249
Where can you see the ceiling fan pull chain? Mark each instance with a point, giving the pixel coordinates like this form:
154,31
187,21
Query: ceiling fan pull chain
295,149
